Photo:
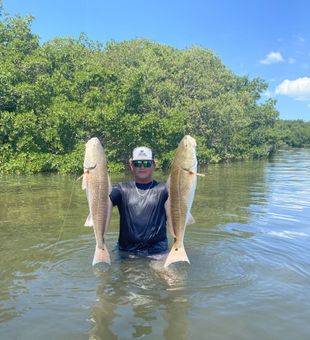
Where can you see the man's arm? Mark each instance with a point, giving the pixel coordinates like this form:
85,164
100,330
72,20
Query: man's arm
116,196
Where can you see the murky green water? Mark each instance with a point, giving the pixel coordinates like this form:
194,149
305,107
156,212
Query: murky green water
249,276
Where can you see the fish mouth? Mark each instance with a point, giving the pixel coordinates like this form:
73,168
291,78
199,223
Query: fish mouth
93,140
190,141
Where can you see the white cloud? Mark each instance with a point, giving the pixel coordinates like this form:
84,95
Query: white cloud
272,58
291,60
298,88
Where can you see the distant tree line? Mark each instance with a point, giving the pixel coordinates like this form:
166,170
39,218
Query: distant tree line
55,96
295,133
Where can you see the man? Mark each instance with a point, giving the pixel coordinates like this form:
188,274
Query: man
141,208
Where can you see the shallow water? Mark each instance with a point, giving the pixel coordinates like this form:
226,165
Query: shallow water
249,276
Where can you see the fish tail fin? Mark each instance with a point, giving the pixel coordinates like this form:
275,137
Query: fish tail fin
101,255
177,254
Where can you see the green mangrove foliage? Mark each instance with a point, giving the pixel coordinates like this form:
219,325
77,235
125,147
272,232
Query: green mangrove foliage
56,95
295,133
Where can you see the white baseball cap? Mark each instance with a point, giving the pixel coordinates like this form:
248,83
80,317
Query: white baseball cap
142,153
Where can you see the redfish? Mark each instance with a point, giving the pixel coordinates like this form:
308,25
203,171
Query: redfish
181,187
97,184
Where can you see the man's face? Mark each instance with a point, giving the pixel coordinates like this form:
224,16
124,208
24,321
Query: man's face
143,170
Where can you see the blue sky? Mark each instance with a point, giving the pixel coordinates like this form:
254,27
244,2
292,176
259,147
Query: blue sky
269,39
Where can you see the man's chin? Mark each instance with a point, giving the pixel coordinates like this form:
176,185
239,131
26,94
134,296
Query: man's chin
143,177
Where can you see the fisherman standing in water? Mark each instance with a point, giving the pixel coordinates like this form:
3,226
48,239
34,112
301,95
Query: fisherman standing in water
141,205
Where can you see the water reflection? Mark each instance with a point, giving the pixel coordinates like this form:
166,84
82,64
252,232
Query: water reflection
136,297
34,216
42,217
228,192
248,251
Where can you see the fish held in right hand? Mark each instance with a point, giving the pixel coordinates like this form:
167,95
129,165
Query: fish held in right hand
97,185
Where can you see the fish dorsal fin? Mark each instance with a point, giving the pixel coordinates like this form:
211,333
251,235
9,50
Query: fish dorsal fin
109,184
168,210
168,184
84,182
168,214
190,219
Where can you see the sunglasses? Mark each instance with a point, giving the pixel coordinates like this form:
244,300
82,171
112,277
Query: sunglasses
146,164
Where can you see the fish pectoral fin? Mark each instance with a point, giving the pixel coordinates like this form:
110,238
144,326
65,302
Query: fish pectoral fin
89,221
196,173
193,173
190,219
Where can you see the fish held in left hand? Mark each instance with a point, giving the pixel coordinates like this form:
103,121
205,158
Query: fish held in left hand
97,184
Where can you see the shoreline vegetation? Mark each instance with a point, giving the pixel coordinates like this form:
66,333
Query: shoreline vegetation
56,95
